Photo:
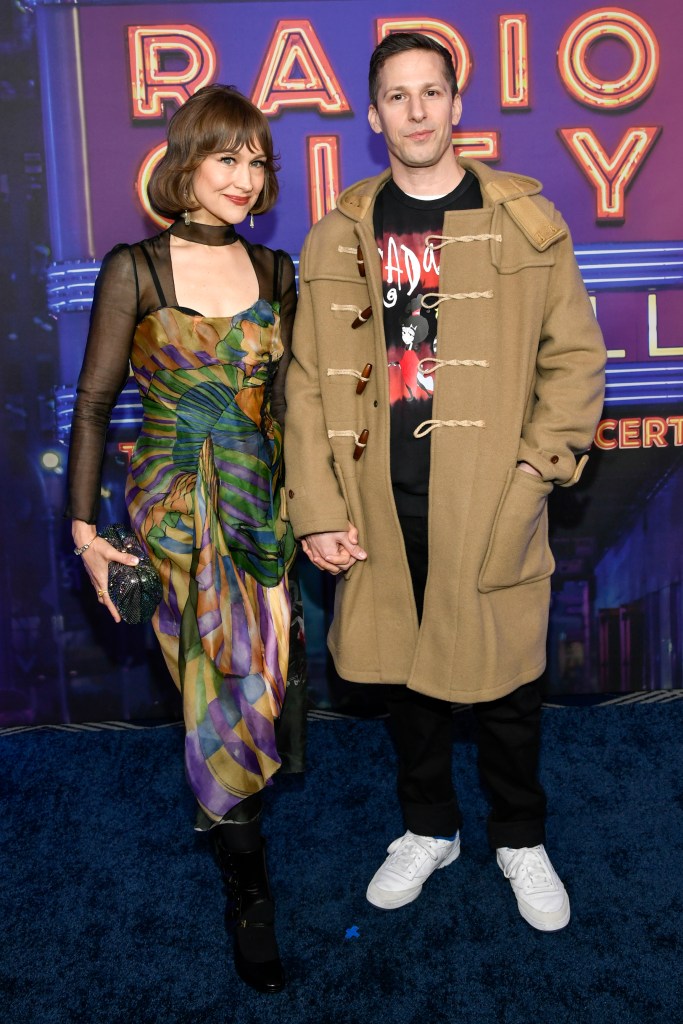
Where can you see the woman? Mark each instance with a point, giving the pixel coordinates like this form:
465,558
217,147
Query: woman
205,320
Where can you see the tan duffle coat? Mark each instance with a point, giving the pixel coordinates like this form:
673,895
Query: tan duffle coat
522,379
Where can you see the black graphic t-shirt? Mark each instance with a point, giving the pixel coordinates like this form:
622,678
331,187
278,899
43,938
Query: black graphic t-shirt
409,271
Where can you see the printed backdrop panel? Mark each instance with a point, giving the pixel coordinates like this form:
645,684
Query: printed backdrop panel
583,97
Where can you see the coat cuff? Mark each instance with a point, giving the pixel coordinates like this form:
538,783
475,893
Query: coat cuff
308,516
562,468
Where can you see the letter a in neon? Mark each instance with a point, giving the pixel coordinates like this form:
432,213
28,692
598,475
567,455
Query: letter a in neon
297,73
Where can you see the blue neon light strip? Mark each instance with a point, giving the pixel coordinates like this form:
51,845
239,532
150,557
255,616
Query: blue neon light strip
646,385
633,266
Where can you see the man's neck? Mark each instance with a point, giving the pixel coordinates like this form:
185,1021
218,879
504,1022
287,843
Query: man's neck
438,180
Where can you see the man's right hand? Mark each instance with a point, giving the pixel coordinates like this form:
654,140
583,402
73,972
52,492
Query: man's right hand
334,552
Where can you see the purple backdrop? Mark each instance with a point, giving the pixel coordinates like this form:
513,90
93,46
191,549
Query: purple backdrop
72,155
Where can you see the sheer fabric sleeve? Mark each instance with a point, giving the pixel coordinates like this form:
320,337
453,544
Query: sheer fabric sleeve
103,374
286,289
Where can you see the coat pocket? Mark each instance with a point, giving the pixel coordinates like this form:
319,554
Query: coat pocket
518,549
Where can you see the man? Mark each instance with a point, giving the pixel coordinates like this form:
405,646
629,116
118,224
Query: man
430,502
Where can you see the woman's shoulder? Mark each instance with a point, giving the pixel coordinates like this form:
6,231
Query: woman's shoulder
123,251
124,260
265,252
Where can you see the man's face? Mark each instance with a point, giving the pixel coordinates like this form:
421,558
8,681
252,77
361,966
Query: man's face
415,110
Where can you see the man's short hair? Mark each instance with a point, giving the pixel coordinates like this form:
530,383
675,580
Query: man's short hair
403,42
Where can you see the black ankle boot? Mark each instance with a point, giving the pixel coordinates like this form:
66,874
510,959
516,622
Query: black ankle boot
249,914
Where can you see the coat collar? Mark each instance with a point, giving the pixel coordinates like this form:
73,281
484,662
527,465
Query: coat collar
496,187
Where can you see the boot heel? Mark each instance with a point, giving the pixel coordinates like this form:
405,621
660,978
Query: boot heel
249,916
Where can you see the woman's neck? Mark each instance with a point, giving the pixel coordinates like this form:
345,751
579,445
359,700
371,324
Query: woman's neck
204,234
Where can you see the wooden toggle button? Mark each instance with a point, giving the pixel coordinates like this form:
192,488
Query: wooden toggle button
361,444
360,386
362,318
360,261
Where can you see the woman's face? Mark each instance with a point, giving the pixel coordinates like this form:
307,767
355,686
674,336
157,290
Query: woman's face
226,185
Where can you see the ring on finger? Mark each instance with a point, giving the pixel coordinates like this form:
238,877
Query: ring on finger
100,593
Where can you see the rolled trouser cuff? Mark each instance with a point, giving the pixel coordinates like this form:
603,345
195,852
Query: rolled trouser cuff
432,819
516,834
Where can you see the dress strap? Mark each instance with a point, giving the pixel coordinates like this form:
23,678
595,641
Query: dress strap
277,275
155,277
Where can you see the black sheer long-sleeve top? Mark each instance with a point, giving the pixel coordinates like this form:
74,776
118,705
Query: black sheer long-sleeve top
129,287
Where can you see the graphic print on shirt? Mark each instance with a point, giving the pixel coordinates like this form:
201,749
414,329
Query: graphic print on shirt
410,272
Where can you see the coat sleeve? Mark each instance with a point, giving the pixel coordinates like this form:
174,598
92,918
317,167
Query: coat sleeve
314,499
570,376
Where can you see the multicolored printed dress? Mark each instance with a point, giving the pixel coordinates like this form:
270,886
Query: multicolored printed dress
203,494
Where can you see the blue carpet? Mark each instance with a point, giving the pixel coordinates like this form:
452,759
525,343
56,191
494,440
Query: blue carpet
111,912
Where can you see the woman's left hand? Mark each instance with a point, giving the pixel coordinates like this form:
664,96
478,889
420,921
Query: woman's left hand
96,558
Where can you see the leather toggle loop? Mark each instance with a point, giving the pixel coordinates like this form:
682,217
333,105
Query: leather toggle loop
360,439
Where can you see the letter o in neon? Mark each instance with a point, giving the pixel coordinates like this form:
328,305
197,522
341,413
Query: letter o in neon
142,181
604,22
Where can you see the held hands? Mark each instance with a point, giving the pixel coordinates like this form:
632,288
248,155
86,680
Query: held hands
96,558
334,552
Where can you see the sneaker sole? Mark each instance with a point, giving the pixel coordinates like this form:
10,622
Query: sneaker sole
546,922
385,900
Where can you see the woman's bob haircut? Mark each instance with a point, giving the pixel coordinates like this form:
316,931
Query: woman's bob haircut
216,119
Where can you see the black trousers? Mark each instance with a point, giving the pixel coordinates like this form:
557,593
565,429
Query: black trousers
508,736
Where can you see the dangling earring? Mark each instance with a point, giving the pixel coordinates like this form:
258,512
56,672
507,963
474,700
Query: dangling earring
251,220
186,218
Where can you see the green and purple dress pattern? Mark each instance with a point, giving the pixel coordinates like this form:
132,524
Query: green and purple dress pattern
204,495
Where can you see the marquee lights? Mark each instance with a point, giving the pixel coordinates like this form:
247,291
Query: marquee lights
478,145
600,24
639,432
142,181
610,175
297,73
439,30
151,84
324,174
514,61
654,348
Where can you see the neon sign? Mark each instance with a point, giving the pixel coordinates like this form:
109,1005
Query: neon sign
639,432
436,29
323,174
296,73
152,85
610,175
514,61
600,24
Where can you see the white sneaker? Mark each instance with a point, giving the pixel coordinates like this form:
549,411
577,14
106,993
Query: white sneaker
411,861
541,897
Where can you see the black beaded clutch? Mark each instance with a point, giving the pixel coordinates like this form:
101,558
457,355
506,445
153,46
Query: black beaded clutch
135,590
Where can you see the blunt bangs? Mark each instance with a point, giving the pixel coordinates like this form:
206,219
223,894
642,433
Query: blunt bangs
216,119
